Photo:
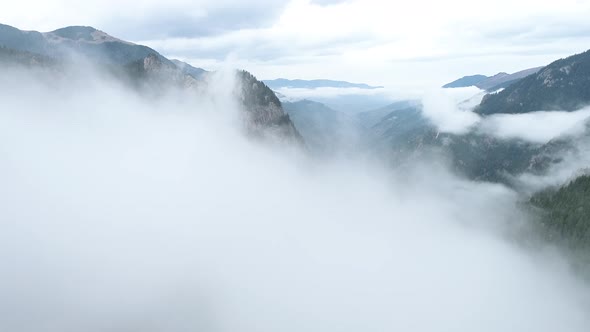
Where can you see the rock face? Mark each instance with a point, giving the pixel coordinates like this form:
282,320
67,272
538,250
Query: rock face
562,85
142,68
264,109
153,77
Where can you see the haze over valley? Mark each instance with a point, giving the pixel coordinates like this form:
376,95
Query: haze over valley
212,172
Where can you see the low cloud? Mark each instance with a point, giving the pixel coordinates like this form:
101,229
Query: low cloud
574,162
537,127
451,111
120,213
348,100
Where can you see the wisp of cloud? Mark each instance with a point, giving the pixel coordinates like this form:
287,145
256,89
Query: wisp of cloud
451,111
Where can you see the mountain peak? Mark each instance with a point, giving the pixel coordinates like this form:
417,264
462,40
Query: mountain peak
81,34
75,32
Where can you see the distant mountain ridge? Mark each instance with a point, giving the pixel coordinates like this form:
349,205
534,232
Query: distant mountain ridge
466,81
491,83
314,84
502,80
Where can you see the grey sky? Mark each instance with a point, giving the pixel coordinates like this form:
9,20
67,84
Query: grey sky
400,44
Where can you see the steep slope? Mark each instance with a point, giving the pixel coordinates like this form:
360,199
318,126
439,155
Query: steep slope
154,76
264,110
562,85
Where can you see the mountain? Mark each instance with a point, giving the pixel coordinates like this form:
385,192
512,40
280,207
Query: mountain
491,83
80,40
141,67
562,85
503,80
324,130
314,84
466,81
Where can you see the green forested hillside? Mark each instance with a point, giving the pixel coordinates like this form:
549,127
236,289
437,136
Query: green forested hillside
565,213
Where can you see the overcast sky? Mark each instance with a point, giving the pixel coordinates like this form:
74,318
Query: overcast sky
399,44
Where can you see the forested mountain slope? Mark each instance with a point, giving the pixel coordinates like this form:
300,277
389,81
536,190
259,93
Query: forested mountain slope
562,85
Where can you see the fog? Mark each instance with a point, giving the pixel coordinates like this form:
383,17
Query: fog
329,92
451,111
347,100
574,162
537,127
125,213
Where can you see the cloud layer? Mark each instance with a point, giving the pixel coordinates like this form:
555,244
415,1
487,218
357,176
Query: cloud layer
119,214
